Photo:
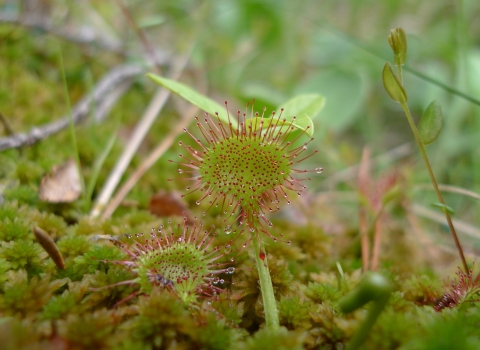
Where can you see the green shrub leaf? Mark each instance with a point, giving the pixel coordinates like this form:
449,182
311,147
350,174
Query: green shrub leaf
431,123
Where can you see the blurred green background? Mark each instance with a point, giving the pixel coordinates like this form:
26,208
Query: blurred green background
270,51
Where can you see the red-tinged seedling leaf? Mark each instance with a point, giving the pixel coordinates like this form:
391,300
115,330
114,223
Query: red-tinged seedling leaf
393,85
431,123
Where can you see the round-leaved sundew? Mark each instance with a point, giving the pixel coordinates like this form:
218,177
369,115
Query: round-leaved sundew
179,258
251,166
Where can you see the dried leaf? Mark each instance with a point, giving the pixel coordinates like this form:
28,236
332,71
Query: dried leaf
169,204
63,185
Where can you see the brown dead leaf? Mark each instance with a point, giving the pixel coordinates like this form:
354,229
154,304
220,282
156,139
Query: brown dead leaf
166,203
62,185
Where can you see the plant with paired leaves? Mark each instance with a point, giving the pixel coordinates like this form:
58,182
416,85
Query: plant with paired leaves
429,126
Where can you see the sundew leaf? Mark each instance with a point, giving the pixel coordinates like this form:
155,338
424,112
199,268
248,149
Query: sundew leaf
192,96
431,123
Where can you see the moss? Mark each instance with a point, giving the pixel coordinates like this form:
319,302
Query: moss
88,331
294,312
72,245
100,282
14,229
23,254
281,340
28,171
23,194
27,296
98,258
4,267
21,334
162,320
323,293
53,224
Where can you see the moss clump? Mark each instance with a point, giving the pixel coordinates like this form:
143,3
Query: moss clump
13,229
281,340
162,320
294,312
24,296
23,254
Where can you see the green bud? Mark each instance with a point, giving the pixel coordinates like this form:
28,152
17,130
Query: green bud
398,42
393,85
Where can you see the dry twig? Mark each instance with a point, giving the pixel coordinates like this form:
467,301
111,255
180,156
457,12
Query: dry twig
153,109
148,162
105,94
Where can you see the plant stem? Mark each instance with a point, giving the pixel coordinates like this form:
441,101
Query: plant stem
435,184
430,173
266,287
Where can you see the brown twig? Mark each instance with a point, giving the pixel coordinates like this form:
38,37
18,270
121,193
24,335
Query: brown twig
114,83
139,133
81,35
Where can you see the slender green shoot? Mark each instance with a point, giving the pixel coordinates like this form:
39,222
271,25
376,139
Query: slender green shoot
394,85
73,136
372,288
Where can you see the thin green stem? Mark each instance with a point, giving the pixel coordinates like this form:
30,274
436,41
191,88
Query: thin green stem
375,289
73,136
266,287
434,182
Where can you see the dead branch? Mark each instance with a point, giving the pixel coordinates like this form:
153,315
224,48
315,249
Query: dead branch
110,87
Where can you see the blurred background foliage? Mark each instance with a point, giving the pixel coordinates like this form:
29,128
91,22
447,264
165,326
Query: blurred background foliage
271,51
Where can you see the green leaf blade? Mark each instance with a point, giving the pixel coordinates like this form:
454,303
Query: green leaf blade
304,107
393,85
192,96
431,123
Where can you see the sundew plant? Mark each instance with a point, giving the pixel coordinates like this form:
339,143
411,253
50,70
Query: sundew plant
230,174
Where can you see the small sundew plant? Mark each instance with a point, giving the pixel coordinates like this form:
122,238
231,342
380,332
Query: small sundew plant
250,167
179,258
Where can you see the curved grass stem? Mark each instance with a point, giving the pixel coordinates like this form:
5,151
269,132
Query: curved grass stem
266,287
